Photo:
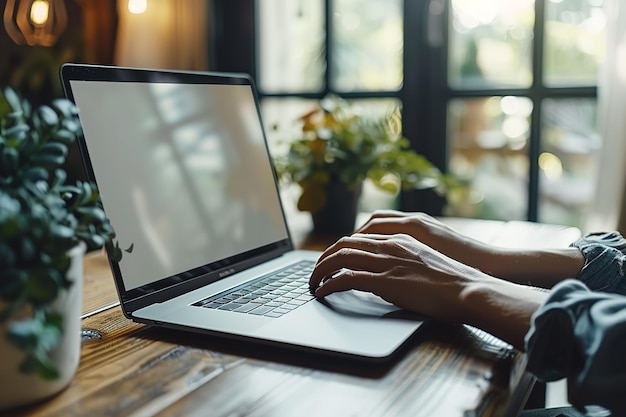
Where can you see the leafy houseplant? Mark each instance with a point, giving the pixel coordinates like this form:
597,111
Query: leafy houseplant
41,219
338,149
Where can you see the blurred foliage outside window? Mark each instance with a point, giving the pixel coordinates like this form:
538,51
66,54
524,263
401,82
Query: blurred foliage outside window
493,96
491,48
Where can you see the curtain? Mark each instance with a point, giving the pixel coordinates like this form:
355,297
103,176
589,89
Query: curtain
608,211
170,34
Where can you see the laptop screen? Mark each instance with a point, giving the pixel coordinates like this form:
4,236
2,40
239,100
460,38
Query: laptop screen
183,171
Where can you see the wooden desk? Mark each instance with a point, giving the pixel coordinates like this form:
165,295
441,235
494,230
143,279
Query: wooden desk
132,369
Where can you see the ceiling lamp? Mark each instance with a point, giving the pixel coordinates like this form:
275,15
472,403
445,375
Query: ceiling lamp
137,6
35,22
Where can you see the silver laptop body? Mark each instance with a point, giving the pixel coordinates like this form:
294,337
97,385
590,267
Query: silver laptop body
185,175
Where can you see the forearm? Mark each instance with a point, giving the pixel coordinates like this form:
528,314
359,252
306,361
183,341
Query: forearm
536,267
501,308
540,268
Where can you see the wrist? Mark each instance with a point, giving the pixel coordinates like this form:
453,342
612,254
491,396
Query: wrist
501,308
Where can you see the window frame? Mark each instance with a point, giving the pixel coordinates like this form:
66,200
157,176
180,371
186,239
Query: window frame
424,93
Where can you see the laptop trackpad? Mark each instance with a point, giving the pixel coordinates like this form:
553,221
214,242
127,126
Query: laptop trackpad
360,303
351,322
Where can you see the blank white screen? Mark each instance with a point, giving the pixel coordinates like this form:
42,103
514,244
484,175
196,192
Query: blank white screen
183,172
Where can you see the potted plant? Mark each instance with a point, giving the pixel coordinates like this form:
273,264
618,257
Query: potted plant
338,149
45,227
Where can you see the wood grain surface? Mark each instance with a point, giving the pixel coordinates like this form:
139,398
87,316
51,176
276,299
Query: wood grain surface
129,369
136,370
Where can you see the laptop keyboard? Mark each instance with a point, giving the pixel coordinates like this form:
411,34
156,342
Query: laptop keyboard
271,295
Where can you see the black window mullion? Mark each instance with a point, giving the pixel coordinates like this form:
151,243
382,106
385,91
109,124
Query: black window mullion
328,46
232,38
538,91
424,94
537,94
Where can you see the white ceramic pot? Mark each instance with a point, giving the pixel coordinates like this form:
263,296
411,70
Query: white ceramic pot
17,388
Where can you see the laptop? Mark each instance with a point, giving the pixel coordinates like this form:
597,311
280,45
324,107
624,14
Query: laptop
185,175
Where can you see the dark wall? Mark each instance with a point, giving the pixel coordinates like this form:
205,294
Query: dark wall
34,70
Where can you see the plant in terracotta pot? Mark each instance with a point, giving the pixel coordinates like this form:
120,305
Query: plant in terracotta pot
45,227
338,149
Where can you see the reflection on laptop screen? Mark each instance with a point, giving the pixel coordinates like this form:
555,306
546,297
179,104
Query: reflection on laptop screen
183,172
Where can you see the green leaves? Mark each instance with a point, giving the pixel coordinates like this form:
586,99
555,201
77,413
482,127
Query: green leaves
50,155
9,210
338,143
37,336
46,117
13,100
17,131
34,142
42,287
41,219
116,251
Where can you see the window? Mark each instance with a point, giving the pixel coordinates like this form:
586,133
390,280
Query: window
305,53
522,106
500,92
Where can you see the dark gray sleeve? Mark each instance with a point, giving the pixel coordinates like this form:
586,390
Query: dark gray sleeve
581,335
605,261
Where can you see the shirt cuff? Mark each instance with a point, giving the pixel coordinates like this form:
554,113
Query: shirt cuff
605,261
550,340
580,335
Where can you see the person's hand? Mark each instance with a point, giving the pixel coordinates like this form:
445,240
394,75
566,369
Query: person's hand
433,233
538,267
410,274
398,268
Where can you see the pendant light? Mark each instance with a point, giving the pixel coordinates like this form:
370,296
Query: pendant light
35,22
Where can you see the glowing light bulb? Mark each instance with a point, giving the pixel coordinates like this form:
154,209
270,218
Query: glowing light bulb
137,6
39,12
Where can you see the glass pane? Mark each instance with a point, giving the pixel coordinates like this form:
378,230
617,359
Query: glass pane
488,140
491,43
575,40
367,45
291,45
281,118
567,163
